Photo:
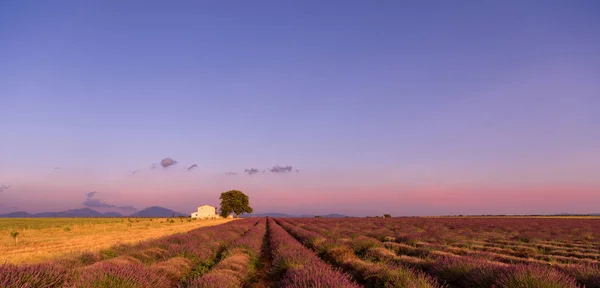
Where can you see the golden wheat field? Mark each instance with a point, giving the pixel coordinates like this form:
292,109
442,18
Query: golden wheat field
41,239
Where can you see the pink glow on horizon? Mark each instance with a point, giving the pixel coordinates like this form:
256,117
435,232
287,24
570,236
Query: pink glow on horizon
300,194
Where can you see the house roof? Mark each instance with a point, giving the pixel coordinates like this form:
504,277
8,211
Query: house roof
207,205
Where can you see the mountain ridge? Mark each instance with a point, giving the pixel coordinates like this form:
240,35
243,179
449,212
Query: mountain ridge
153,211
157,211
284,215
73,213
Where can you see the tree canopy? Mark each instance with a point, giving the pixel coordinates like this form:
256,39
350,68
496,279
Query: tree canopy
234,201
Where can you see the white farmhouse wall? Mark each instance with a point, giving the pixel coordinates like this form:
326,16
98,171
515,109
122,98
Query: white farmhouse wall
206,211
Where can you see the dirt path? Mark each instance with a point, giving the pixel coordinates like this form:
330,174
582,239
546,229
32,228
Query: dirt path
263,278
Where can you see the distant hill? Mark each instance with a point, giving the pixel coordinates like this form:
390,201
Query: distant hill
334,215
156,211
75,213
19,214
274,215
283,215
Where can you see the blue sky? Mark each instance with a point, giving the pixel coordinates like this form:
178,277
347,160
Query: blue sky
352,93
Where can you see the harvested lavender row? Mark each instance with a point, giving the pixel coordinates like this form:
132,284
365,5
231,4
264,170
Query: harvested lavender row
160,262
295,266
368,273
239,261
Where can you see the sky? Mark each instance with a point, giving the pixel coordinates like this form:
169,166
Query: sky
422,108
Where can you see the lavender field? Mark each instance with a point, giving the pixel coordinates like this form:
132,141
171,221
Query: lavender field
350,252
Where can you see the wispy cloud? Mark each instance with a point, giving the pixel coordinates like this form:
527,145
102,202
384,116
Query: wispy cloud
280,169
4,188
152,166
251,171
135,171
167,162
91,202
231,173
192,167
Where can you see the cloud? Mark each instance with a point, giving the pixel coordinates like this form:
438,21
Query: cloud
165,163
251,171
95,203
56,168
192,167
280,169
135,171
4,188
231,173
152,166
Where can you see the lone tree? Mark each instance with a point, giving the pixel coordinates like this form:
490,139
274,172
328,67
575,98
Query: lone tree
234,201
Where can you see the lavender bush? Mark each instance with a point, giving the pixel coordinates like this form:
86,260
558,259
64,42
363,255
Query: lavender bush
296,266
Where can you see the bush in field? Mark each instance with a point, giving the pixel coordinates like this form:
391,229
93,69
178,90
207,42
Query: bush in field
467,272
589,274
535,276
387,216
174,268
15,235
120,276
39,276
362,244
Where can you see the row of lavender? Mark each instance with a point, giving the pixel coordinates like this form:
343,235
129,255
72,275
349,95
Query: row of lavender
455,270
345,255
567,232
239,261
162,262
294,266
438,258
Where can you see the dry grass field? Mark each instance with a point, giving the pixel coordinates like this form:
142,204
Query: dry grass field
43,239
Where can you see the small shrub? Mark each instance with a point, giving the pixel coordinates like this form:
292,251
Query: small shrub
387,216
67,229
40,275
15,235
535,276
117,275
